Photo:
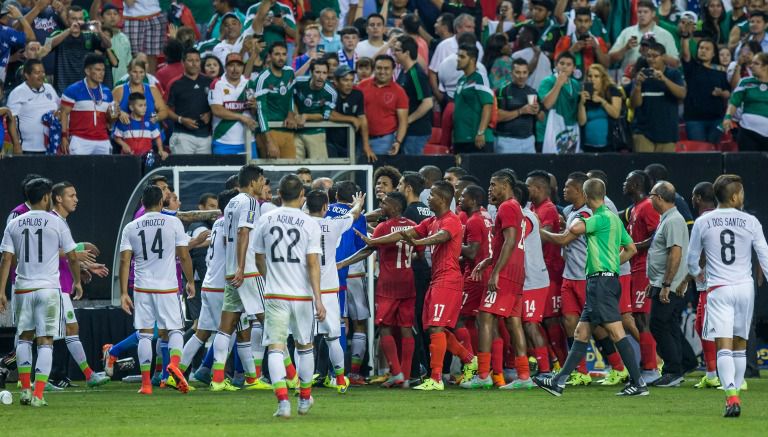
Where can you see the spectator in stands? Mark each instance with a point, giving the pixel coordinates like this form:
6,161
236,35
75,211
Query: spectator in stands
708,92
86,111
229,104
329,38
314,100
364,69
539,66
412,27
173,67
349,109
541,18
311,40
474,104
121,45
431,174
221,8
505,19
141,133
387,103
276,22
274,94
188,107
597,28
44,19
136,84
714,21
29,102
740,29
560,93
497,60
73,44
212,67
655,96
443,29
416,85
231,27
146,26
750,96
32,50
448,73
518,111
464,23
585,47
758,31
375,42
600,105
625,48
350,37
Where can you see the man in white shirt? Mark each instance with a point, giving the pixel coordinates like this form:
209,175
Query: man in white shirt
375,28
230,33
29,102
464,23
539,65
626,48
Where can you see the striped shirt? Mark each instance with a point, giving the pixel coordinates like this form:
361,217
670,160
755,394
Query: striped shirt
274,96
88,118
138,134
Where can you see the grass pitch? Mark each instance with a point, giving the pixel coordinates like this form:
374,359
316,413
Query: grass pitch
117,409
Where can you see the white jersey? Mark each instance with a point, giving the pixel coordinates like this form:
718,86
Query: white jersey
215,258
331,228
536,275
575,253
242,211
727,237
153,239
233,98
36,238
286,236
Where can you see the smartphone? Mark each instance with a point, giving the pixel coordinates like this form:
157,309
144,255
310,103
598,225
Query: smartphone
583,37
648,72
321,48
589,87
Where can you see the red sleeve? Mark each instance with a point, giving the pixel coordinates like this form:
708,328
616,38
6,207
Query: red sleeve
453,226
603,45
475,231
650,219
549,217
562,45
402,98
423,228
510,216
379,231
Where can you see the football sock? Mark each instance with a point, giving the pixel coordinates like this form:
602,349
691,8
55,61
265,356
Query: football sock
277,374
290,369
306,366
145,357
75,348
610,355
236,363
158,356
497,356
126,344
190,350
343,336
437,348
727,370
257,335
454,347
470,324
207,362
336,355
24,362
542,357
220,349
408,344
630,361
575,356
245,356
710,357
175,346
740,366
358,350
555,333
523,369
483,364
166,358
647,351
42,368
462,334
390,351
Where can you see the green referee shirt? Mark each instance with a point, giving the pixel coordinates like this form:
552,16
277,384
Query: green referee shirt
605,238
274,96
311,101
472,93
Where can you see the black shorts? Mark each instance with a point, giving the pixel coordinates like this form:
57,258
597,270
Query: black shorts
602,304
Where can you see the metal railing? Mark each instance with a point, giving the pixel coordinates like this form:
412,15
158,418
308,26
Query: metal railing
351,159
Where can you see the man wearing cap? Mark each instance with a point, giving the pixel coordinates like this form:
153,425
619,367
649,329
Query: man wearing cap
222,8
350,108
12,40
274,103
314,100
230,32
549,29
230,105
416,85
625,48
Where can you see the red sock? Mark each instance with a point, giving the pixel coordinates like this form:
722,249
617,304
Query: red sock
175,360
437,348
483,364
556,335
615,360
218,375
390,351
25,379
710,354
408,345
462,334
290,371
145,378
250,379
457,349
305,392
87,372
281,393
497,356
647,351
39,389
258,371
542,357
582,367
471,326
521,364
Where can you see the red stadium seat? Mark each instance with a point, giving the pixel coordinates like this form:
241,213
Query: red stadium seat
695,146
437,119
681,132
436,149
728,143
436,133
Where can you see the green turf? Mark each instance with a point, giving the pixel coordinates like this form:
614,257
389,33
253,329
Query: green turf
116,409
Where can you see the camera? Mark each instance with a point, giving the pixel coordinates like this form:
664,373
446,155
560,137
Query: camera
584,37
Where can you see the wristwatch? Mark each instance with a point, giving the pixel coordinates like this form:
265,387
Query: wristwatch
665,285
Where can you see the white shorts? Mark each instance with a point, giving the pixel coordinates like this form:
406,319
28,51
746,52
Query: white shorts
331,326
161,308
66,317
38,311
729,311
210,310
248,299
357,299
282,315
81,146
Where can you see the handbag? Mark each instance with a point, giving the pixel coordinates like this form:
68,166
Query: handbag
619,132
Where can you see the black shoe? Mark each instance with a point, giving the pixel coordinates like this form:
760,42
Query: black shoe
64,383
549,384
668,380
732,410
8,361
3,375
634,390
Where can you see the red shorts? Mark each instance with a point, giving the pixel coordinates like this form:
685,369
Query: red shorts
701,312
574,296
441,307
506,301
395,312
625,301
533,304
640,303
472,297
554,301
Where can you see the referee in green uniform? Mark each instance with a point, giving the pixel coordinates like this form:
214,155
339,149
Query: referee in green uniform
606,237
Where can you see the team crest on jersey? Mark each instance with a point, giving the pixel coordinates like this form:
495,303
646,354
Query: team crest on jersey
49,96
283,89
251,217
70,315
226,91
146,124
308,101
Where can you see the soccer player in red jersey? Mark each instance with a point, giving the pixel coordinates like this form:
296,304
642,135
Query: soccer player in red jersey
443,300
395,289
643,221
503,298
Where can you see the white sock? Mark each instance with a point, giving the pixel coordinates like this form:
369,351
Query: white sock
75,348
24,355
305,366
276,367
44,361
257,336
190,350
145,351
175,343
740,367
246,358
336,354
726,369
359,341
711,375
220,350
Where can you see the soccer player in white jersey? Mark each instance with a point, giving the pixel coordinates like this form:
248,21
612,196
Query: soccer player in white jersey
35,239
726,237
332,228
243,291
156,239
288,253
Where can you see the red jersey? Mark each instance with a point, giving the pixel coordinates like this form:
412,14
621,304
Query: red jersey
446,272
548,216
643,221
510,215
479,229
462,216
395,272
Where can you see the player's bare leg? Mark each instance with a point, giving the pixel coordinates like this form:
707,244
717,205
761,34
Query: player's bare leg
731,365
628,321
557,338
534,333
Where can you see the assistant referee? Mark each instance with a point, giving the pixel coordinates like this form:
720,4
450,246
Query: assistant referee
606,237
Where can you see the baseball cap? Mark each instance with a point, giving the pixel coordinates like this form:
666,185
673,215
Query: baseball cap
109,7
234,57
342,70
230,15
7,3
690,15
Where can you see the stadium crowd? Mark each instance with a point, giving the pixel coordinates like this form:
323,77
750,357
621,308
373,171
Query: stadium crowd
439,76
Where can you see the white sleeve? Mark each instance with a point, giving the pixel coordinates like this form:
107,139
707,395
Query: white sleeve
215,95
437,58
258,243
7,244
14,101
247,214
694,250
182,239
125,243
313,245
66,242
343,223
760,246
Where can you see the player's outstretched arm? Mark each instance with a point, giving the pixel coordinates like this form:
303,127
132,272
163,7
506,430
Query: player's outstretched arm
125,266
358,204
356,257
5,269
758,244
385,239
563,239
186,266
188,217
410,236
